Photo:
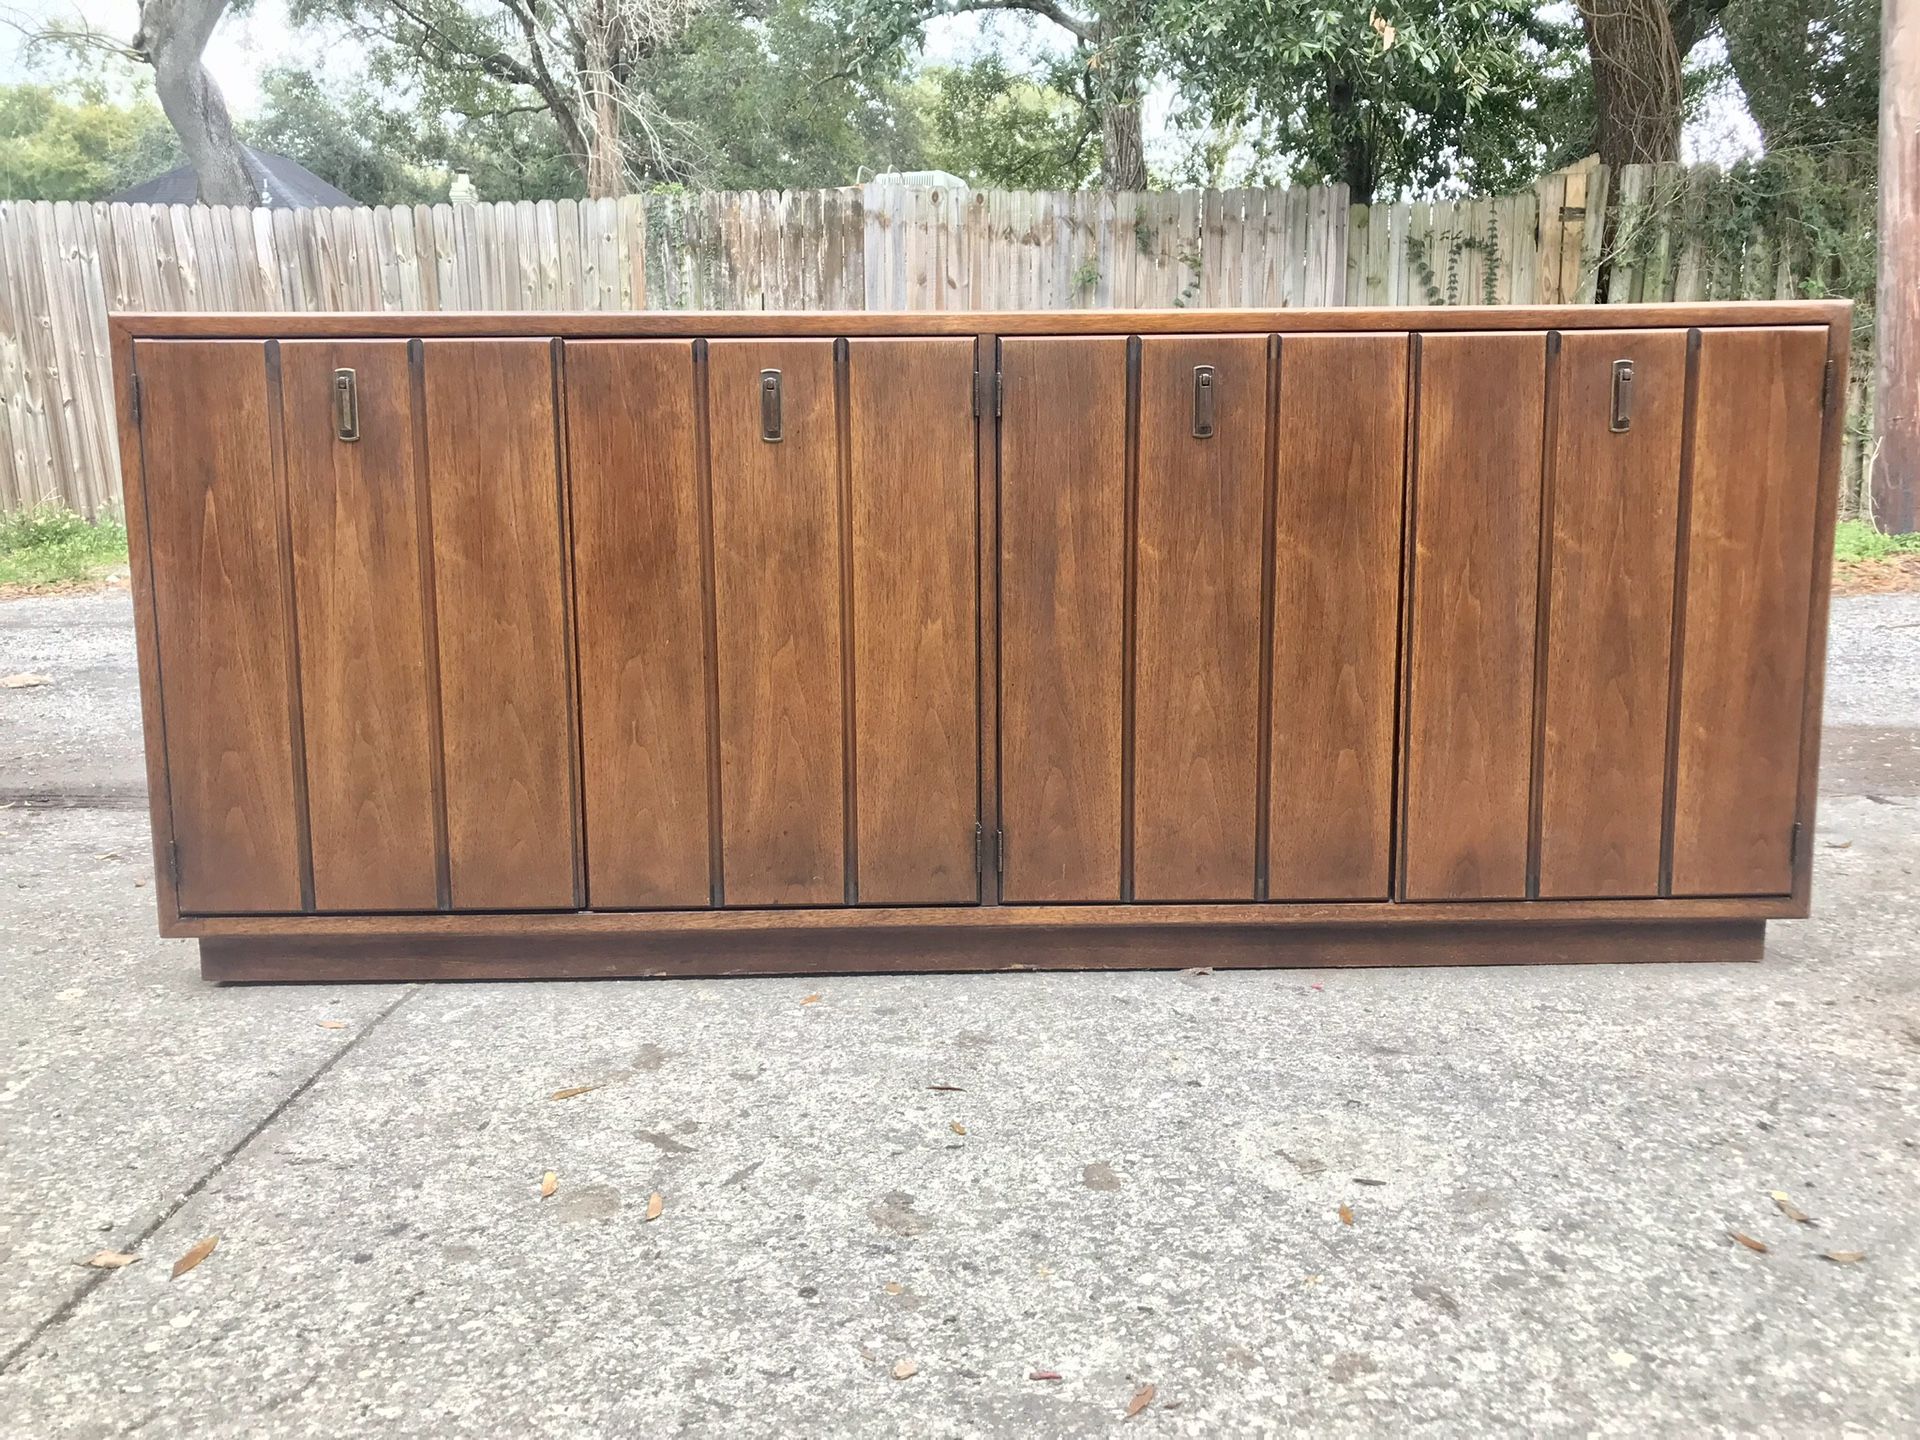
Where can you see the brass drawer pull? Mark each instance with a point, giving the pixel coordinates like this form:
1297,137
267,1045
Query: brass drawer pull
346,405
1622,397
770,405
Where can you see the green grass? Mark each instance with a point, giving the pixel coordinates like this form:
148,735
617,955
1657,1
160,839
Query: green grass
49,545
1857,540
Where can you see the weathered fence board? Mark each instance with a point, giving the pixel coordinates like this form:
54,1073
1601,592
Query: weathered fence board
883,246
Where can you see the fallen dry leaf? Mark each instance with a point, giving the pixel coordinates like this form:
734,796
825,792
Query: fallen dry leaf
655,1204
194,1256
1789,1209
1142,1398
1758,1247
956,1127
571,1091
24,681
109,1260
905,1369
549,1183
1044,1375
333,1024
810,1000
1346,1214
894,1287
1844,1257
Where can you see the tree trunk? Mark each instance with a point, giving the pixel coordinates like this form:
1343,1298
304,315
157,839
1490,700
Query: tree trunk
606,171
1123,157
1636,80
1359,162
1896,321
172,36
1116,87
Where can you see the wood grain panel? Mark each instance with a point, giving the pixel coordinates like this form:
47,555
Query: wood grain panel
1067,945
688,324
777,598
916,701
1063,445
1202,505
1475,577
1609,624
1341,441
499,577
365,683
638,582
1748,596
213,509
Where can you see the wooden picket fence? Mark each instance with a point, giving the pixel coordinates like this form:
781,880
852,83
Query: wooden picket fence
878,247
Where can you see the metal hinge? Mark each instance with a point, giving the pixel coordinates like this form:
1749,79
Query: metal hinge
979,851
173,862
134,383
1826,387
1793,845
999,392
999,852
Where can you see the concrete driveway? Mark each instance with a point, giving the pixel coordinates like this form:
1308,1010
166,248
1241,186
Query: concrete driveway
907,1207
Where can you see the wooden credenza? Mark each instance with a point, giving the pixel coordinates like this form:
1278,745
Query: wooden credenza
664,643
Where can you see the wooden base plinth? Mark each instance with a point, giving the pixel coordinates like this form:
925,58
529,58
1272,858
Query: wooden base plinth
550,957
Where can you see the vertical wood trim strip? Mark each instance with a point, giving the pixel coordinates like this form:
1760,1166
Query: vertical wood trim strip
1826,512
147,625
1676,658
1549,432
1129,645
1270,479
849,739
430,641
986,594
709,619
1409,504
569,621
296,708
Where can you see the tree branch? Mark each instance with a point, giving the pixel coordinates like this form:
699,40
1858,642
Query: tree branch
1082,30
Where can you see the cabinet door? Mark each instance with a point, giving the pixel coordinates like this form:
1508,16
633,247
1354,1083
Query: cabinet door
499,579
1475,578
1609,628
914,514
639,585
1748,601
1202,507
215,522
366,693
778,616
1063,498
1341,457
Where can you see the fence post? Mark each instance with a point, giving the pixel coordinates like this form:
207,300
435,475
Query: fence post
1896,469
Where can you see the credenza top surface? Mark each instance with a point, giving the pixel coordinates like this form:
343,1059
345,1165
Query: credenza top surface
669,324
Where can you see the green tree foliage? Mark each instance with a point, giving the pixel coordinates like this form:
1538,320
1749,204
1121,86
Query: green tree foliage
750,94
1386,95
78,143
996,128
384,153
347,139
1810,69
769,102
1108,72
